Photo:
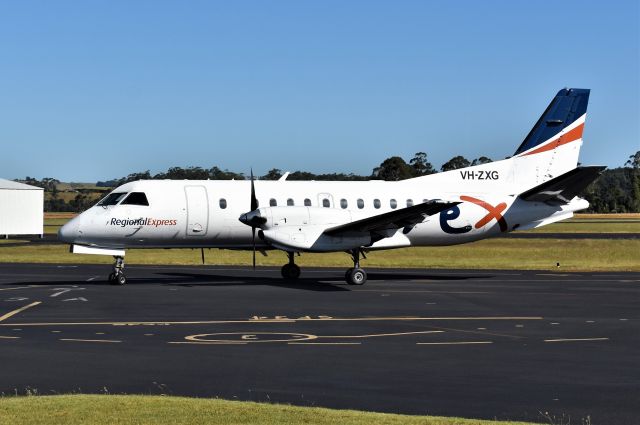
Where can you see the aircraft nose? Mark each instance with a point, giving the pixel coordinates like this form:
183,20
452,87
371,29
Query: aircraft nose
70,231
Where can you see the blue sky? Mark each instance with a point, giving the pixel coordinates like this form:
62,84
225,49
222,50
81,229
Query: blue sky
91,90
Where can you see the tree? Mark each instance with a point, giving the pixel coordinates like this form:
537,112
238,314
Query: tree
455,163
481,160
393,169
273,174
421,165
634,161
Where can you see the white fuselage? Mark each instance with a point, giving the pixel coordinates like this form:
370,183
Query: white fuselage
188,213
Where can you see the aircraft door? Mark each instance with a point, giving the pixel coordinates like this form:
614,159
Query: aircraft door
197,210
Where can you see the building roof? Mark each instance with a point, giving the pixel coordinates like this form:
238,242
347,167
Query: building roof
11,185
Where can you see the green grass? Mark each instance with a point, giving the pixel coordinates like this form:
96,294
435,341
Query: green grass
159,410
533,254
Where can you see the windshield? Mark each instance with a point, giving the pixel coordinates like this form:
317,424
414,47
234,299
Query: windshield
136,198
112,199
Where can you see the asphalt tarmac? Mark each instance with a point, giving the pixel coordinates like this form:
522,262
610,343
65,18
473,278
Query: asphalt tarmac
488,344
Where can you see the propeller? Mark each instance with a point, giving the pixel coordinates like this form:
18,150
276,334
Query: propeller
253,218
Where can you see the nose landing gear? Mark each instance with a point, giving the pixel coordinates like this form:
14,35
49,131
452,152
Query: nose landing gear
117,277
356,275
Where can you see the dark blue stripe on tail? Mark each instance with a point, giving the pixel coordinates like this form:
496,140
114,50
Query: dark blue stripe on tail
565,108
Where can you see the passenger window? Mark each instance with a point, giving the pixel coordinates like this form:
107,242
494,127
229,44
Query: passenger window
425,200
393,204
112,199
343,203
223,203
325,203
136,198
376,203
290,202
307,202
360,203
273,202
409,202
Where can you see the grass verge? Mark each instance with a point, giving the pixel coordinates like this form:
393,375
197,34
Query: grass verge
513,254
158,410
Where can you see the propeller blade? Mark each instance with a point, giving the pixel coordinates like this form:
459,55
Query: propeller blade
254,200
253,241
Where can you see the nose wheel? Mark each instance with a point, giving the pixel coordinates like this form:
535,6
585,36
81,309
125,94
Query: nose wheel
356,275
291,269
117,277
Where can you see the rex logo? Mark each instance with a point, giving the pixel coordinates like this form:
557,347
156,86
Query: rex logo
493,212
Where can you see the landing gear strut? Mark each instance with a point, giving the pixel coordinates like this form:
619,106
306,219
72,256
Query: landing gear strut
356,275
290,270
117,277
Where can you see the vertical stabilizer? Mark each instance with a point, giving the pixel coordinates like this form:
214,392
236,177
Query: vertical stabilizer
553,145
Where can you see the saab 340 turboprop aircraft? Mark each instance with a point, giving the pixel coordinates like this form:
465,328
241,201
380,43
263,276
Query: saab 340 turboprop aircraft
538,185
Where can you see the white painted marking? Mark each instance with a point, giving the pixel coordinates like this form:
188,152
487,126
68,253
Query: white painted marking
14,299
83,299
9,337
575,339
324,343
455,343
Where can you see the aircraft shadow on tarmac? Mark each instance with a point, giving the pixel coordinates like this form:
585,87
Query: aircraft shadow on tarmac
323,284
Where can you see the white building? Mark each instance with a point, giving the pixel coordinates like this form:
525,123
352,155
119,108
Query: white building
21,209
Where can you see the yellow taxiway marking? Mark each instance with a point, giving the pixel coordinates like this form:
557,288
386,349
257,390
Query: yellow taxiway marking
376,335
324,343
287,320
13,289
575,339
19,310
9,337
89,340
455,343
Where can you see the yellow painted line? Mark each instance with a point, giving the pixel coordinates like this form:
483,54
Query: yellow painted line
89,340
19,310
376,335
575,339
9,337
324,343
13,289
221,322
455,343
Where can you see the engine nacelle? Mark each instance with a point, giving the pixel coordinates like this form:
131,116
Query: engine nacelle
301,229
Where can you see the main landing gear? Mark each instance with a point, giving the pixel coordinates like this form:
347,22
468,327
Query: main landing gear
290,270
356,275
117,277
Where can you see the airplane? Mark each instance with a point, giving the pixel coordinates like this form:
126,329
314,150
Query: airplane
536,186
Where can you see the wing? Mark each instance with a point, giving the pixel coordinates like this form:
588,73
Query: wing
393,220
562,189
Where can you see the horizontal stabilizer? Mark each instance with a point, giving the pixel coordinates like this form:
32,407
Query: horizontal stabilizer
562,189
397,219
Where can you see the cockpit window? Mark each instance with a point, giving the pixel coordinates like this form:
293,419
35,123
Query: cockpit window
136,198
112,199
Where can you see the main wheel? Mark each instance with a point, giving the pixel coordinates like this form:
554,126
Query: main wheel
357,277
290,271
347,273
120,279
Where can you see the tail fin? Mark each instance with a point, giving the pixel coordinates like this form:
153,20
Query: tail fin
553,145
569,106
